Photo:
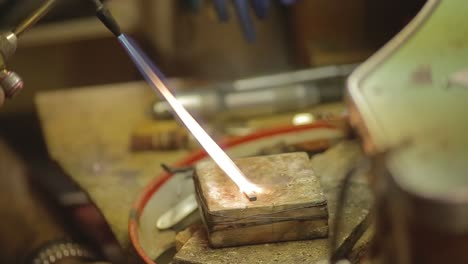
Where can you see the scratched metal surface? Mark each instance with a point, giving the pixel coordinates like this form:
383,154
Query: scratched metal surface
87,131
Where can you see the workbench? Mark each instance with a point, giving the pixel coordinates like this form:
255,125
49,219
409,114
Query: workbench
87,131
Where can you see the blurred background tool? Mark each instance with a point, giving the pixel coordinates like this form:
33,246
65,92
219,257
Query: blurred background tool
35,17
160,135
288,2
260,7
221,10
264,95
242,10
194,5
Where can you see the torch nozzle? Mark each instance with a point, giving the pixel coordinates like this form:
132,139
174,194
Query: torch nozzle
106,18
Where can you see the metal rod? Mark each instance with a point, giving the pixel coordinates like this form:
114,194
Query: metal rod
34,17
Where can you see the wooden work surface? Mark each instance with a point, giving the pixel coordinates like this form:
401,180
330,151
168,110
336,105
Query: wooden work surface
87,131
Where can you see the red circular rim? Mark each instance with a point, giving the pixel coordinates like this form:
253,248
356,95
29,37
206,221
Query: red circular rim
159,181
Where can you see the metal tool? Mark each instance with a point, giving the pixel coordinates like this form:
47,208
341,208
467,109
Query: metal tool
242,7
260,7
194,5
221,9
34,17
177,213
10,82
242,10
288,2
263,95
106,18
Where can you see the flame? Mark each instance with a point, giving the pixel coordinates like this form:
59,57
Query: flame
225,163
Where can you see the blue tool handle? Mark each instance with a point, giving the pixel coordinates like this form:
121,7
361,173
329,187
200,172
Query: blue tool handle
260,7
288,2
221,9
242,8
194,5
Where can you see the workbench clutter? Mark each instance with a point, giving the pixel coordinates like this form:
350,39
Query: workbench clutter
196,245
290,204
161,135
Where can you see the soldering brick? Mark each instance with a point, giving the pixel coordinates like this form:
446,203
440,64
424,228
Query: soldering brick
290,206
